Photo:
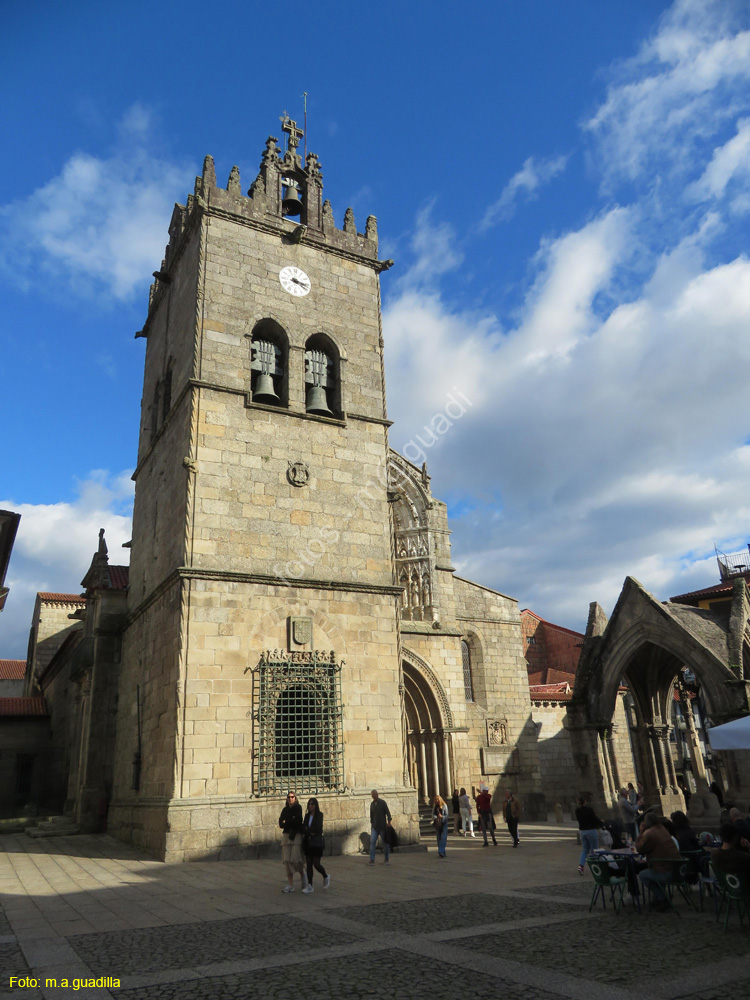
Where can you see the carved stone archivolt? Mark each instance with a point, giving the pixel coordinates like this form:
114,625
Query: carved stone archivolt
432,681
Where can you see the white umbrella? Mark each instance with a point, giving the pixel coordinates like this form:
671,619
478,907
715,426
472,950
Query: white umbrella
733,735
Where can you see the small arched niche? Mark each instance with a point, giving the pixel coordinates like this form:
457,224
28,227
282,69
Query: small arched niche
269,353
322,377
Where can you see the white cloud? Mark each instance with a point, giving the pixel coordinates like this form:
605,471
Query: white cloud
99,226
687,81
596,446
525,183
434,247
54,547
732,160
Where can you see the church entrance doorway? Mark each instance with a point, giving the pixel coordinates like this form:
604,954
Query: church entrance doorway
427,741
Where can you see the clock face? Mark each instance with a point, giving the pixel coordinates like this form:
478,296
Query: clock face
294,280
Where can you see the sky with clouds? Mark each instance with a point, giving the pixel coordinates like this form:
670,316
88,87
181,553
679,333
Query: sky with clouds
565,189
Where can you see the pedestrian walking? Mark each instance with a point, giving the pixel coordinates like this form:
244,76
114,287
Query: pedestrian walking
440,822
313,844
484,811
512,813
380,820
290,821
464,803
456,811
588,825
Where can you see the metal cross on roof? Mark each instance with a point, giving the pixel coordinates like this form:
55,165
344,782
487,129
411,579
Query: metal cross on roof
289,125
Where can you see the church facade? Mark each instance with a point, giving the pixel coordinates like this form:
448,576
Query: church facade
292,618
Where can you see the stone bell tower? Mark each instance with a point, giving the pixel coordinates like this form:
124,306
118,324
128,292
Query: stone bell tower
261,652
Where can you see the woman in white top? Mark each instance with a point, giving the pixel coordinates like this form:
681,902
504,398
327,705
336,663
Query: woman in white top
464,805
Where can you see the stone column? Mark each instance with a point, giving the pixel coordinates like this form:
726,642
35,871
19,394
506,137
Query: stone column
613,759
694,746
604,750
447,764
435,765
423,765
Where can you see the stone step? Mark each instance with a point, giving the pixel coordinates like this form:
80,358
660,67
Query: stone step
55,826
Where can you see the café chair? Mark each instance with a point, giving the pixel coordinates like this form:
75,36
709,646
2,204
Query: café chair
736,889
678,879
607,877
709,882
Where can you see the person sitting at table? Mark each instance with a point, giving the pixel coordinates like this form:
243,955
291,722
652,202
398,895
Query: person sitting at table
742,824
729,859
686,838
669,827
659,848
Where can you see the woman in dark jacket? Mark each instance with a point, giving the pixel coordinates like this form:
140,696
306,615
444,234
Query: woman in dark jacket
290,822
588,824
313,844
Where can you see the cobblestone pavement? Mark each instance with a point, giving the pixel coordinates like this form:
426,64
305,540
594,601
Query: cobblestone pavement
513,924
155,948
374,975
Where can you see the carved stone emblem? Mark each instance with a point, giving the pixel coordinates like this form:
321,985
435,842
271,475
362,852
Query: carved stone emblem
497,732
300,632
298,473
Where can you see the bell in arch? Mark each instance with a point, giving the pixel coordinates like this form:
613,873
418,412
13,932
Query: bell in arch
264,391
291,204
265,364
318,376
317,401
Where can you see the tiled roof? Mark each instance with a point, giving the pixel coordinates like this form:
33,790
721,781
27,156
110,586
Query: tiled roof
725,587
12,670
550,692
551,676
23,706
561,628
118,577
63,598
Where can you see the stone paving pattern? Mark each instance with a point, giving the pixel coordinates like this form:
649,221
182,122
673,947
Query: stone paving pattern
155,948
512,925
400,974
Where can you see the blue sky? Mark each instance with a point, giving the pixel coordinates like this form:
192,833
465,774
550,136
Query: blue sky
565,189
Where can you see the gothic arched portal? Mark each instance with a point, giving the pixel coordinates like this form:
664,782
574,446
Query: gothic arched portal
427,735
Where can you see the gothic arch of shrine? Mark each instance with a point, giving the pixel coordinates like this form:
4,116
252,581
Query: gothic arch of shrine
646,644
429,722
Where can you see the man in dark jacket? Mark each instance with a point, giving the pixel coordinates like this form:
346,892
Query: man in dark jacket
380,820
512,813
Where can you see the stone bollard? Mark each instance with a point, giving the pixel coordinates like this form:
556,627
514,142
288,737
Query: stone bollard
558,813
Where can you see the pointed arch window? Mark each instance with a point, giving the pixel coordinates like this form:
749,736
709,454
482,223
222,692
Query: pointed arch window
322,377
468,679
268,364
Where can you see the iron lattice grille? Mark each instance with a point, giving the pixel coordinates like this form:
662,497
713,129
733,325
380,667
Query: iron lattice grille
468,682
298,723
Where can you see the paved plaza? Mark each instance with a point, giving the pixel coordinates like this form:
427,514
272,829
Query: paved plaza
483,923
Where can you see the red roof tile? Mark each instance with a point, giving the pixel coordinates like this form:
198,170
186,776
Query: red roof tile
62,598
718,588
118,577
12,670
561,628
23,706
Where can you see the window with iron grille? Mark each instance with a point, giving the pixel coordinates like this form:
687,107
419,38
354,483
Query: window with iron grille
468,684
298,738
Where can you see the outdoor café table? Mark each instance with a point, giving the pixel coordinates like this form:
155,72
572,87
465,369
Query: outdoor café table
631,858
